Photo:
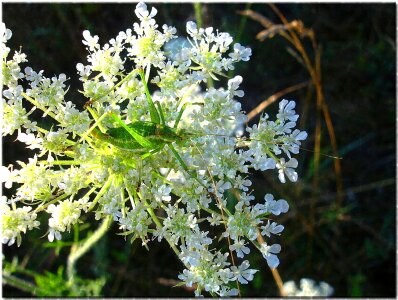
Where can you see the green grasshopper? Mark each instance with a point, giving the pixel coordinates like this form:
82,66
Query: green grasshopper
145,137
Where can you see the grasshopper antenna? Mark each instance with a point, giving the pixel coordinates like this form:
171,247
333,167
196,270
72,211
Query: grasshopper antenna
247,139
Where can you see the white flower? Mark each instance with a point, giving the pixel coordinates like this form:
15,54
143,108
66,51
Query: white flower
271,228
292,143
142,12
241,53
106,62
226,292
84,71
63,216
190,257
72,119
298,135
5,33
269,253
177,49
223,40
33,76
266,163
6,176
286,111
214,219
31,140
136,220
192,30
53,234
162,193
275,207
16,221
240,248
90,41
243,273
287,168
242,183
233,85
168,32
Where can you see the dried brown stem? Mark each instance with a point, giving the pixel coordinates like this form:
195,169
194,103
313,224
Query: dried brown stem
273,98
294,32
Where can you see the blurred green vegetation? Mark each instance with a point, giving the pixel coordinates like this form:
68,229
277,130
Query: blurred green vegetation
351,245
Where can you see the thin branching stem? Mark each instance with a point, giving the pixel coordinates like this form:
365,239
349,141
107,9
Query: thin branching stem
78,250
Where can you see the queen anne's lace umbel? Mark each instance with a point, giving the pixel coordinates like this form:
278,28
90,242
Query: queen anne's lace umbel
74,173
307,288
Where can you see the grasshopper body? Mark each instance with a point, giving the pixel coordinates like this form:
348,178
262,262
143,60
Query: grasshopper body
158,134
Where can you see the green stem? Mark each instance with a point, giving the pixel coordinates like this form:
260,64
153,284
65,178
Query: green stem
159,226
20,284
52,115
44,206
35,103
61,162
242,24
42,130
131,196
198,14
101,192
241,28
123,202
210,82
209,210
164,179
86,245
272,155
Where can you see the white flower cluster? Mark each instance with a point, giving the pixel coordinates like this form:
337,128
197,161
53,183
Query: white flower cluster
308,288
64,215
14,221
192,178
271,138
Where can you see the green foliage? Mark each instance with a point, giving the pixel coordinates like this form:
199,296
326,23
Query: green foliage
50,284
356,285
55,285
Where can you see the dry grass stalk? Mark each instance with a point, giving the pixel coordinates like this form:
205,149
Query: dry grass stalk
293,32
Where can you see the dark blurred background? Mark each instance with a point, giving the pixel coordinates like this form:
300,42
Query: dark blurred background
341,225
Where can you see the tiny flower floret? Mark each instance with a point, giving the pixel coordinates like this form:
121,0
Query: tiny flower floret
142,12
269,253
275,207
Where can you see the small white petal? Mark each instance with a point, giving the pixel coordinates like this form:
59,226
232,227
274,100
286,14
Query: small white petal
272,261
